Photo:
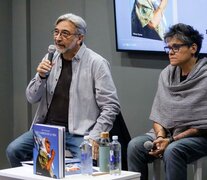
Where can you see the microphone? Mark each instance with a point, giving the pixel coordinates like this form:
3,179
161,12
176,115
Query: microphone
51,51
148,145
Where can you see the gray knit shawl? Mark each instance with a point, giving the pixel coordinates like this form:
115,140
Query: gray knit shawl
181,104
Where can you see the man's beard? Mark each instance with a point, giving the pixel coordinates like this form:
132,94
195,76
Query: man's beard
67,49
62,51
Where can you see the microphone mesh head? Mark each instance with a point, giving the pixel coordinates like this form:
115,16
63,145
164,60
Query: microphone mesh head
148,145
51,48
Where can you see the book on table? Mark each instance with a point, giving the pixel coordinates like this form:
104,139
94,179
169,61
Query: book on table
49,150
73,166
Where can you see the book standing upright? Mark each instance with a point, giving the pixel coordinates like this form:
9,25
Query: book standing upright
49,150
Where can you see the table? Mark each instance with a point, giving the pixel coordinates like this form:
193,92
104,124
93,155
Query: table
26,173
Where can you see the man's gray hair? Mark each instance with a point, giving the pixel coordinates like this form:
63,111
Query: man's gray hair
76,20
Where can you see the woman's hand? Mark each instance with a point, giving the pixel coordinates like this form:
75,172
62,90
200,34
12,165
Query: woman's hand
160,145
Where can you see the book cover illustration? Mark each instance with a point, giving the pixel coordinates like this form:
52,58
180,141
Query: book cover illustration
48,152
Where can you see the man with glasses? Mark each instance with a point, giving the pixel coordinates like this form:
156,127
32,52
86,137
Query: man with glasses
179,111
78,93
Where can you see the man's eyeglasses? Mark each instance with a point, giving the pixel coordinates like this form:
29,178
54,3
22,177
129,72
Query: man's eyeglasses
64,33
175,47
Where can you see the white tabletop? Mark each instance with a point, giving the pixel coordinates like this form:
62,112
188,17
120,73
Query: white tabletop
26,173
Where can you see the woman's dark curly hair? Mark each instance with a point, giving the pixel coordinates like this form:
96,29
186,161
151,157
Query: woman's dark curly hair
185,33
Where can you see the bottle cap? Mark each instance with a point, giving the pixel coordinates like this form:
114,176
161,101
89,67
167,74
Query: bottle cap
105,135
115,137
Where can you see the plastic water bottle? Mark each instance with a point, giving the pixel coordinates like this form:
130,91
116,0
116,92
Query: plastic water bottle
86,157
115,156
104,148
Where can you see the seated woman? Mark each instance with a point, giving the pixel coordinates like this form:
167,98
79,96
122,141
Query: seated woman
179,111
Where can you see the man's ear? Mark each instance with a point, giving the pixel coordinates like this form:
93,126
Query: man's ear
80,39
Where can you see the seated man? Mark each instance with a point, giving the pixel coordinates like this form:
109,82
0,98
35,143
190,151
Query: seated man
75,90
179,111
